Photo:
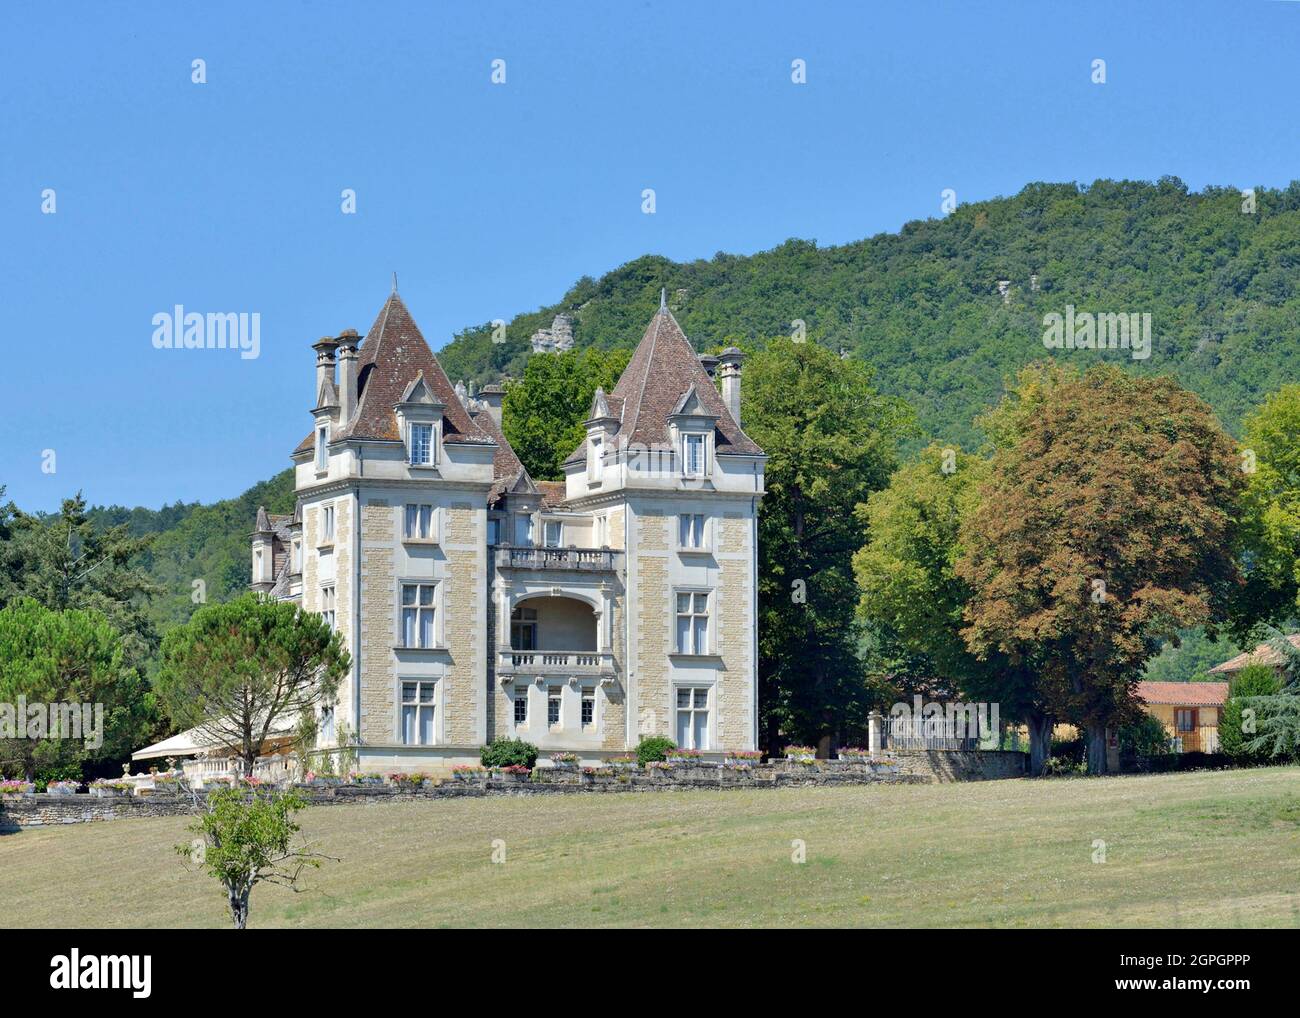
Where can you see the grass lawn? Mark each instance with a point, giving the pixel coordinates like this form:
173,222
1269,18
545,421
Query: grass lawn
1204,849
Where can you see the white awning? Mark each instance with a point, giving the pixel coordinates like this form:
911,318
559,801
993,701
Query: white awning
194,741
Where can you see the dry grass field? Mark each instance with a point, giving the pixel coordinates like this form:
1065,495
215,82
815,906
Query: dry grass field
1183,850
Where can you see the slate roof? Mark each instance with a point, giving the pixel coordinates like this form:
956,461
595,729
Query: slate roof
553,493
390,357
1184,694
661,371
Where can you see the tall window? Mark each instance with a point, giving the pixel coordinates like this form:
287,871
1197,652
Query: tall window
327,525
422,443
327,605
326,732
551,533
602,532
322,447
553,707
693,717
494,530
521,708
523,629
418,523
693,455
690,530
417,615
595,450
588,709
693,622
1185,719
418,706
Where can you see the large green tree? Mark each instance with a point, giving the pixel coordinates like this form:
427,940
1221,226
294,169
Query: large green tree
241,670
831,440
69,668
1106,527
912,599
1269,538
542,414
67,561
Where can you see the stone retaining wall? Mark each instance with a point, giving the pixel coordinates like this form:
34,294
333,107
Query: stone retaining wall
910,768
948,765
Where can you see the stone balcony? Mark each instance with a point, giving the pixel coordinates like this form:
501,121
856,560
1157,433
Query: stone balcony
555,662
573,559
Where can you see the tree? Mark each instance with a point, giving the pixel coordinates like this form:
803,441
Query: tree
67,562
912,599
542,415
1236,728
240,670
1106,527
69,667
830,440
1276,717
1269,540
249,841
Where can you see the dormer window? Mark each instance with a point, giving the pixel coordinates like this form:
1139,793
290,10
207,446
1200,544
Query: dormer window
421,444
693,454
322,447
595,451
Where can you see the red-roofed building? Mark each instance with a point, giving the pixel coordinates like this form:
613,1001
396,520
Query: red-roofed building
1189,711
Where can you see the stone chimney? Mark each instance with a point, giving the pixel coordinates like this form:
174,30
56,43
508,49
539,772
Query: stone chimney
729,371
348,340
709,363
324,347
491,396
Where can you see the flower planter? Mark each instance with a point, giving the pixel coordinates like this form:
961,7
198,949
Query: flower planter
62,790
513,777
110,793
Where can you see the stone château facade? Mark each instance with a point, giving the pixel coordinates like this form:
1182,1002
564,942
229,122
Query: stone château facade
477,602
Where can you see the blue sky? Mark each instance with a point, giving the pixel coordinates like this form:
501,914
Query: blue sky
491,199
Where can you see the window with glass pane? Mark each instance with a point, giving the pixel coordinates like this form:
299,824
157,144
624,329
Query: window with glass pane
418,615
553,708
523,629
327,524
327,724
594,465
693,717
494,531
322,450
327,605
521,708
551,533
588,708
690,529
692,622
418,522
693,454
419,705
421,443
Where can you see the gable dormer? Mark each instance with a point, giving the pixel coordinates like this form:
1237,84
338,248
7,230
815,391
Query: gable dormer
602,427
420,416
692,427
